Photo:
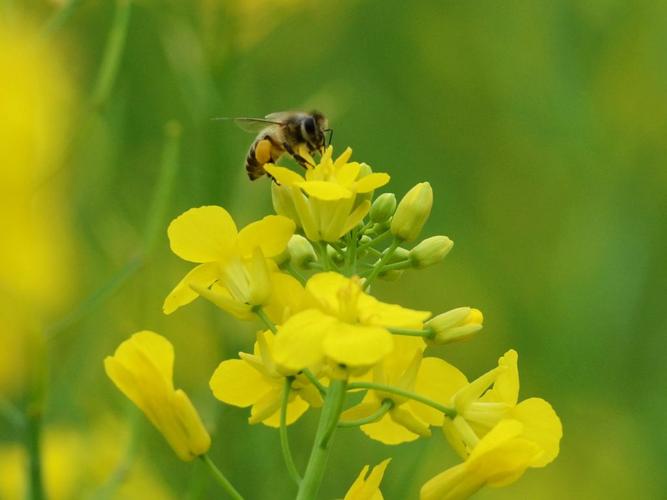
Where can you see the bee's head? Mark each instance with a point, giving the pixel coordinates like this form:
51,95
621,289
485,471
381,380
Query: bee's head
312,129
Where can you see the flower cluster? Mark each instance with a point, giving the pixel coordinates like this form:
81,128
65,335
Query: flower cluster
325,342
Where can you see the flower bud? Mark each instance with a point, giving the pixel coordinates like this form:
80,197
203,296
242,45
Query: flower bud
430,251
301,252
455,325
412,212
383,207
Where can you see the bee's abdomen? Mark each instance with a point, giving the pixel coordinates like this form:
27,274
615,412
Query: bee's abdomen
254,169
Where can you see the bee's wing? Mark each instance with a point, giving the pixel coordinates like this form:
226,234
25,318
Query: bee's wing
282,116
252,125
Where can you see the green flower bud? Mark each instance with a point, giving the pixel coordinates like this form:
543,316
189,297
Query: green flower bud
301,252
455,325
430,251
383,207
365,239
412,212
361,197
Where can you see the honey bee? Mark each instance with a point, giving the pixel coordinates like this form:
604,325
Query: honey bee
282,133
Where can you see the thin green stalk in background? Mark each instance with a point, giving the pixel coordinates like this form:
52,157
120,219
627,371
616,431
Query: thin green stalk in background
60,17
310,484
284,441
155,221
112,53
33,444
221,479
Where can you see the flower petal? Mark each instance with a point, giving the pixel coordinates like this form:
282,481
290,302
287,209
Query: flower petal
541,425
324,190
204,275
388,432
374,312
237,383
356,345
299,341
284,176
203,234
371,182
295,408
439,381
270,234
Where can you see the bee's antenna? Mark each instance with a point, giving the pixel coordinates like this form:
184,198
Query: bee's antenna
330,130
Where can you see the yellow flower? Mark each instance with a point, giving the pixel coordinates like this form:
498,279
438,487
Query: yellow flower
492,397
142,368
255,380
341,324
235,270
405,369
500,458
368,488
330,200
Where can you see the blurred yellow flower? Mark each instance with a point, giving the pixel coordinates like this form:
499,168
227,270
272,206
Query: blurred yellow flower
368,488
330,200
69,473
255,380
500,458
341,324
235,265
406,419
142,368
36,277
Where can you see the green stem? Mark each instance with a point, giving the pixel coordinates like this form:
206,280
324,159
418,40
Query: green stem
411,332
112,53
261,314
397,266
310,484
295,272
375,240
450,412
284,441
324,257
33,444
313,380
380,265
164,185
374,417
221,479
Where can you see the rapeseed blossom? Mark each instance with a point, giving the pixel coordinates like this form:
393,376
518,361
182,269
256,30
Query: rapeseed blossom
307,275
255,380
341,324
235,269
142,369
330,200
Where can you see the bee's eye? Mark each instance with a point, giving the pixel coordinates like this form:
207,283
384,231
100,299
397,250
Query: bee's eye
310,125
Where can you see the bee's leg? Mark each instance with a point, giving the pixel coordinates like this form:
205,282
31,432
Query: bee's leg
297,157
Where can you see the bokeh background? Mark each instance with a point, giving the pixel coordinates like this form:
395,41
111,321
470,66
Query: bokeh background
541,126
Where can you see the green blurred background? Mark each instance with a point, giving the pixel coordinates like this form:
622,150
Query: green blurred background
542,128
